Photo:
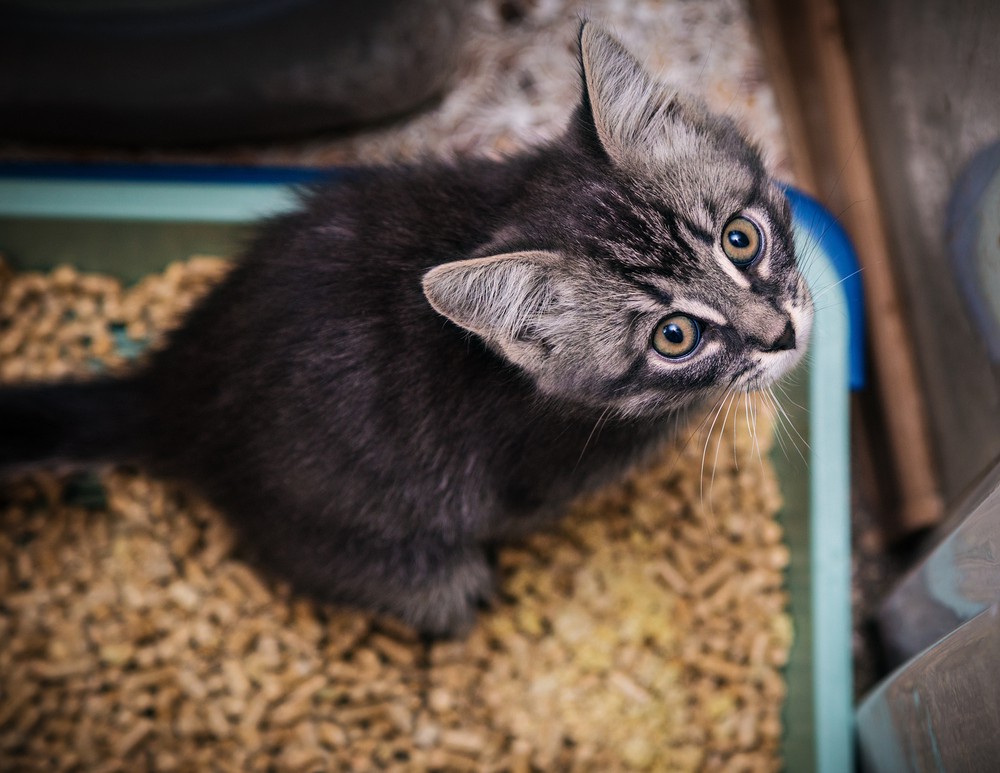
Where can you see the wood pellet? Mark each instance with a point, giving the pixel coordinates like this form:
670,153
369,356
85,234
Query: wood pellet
646,631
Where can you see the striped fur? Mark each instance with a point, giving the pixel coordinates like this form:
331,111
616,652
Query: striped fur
634,242
424,360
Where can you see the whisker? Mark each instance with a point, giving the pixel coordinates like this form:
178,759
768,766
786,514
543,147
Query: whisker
718,444
834,285
683,416
696,430
780,387
736,456
839,306
815,246
765,398
787,421
586,445
843,168
756,436
704,453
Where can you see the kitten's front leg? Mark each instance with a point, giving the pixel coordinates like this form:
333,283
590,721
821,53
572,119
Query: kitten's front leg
433,584
445,603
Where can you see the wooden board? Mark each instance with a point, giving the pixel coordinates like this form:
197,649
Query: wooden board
808,62
927,75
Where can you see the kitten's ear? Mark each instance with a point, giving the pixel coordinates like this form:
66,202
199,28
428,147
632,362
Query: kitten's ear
628,107
502,298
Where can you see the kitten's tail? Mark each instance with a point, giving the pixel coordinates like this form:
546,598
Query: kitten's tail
69,423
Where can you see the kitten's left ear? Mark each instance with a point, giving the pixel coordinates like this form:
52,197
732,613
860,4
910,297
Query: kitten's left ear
502,298
629,108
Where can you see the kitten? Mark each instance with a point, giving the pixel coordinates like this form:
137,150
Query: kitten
423,361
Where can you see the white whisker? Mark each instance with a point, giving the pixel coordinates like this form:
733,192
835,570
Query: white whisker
786,421
704,453
718,445
833,285
586,445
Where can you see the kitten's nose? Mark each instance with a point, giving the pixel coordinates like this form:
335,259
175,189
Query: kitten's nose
785,341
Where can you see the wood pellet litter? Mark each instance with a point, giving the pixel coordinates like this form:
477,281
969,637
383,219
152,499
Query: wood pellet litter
647,631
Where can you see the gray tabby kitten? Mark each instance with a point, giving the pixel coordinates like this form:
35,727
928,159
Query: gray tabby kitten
424,361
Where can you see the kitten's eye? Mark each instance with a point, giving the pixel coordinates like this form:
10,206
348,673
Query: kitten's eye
676,336
741,241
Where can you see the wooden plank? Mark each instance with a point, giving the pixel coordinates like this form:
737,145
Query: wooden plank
815,88
779,65
926,76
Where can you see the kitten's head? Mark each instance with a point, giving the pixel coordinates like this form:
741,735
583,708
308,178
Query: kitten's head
652,266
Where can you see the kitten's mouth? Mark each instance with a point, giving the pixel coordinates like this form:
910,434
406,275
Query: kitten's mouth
767,373
772,365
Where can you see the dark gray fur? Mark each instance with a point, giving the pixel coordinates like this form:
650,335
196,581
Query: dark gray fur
370,447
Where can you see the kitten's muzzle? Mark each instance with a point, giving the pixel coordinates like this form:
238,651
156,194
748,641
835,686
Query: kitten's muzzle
784,342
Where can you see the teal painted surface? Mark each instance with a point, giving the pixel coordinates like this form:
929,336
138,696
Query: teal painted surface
818,713
119,200
799,716
827,619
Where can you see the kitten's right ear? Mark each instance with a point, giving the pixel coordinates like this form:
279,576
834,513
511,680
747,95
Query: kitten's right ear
625,106
503,299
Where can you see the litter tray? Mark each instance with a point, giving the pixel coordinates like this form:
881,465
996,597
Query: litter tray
129,221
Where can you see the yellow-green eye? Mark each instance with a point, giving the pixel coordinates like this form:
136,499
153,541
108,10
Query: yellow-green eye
676,336
741,241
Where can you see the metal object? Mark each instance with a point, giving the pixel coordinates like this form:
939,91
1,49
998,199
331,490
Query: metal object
941,711
956,581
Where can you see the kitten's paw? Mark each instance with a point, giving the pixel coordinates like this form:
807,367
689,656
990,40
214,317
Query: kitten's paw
447,607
